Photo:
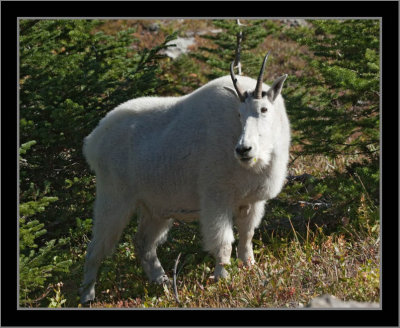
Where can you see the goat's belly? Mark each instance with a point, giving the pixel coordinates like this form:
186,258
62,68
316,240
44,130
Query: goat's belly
182,214
178,204
187,215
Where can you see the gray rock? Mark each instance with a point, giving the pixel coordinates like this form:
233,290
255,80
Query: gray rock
190,34
181,47
154,27
202,32
295,22
216,31
329,301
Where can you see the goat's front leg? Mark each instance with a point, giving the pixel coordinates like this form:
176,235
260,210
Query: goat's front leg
247,219
216,227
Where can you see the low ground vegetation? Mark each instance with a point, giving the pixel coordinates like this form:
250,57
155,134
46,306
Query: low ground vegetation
320,235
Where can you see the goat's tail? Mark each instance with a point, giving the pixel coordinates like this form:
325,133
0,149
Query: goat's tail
89,151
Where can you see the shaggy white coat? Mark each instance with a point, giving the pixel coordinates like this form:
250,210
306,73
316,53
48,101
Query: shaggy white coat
174,157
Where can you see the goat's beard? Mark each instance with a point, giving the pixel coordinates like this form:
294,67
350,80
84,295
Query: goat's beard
256,164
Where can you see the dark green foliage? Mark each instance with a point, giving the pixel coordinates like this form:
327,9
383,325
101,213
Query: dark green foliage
36,264
220,56
185,70
336,110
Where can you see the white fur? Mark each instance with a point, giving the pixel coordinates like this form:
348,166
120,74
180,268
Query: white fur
174,157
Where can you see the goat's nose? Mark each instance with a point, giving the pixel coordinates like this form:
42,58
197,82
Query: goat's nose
242,150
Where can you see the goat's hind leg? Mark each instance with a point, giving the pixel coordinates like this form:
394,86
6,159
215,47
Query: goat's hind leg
152,231
111,215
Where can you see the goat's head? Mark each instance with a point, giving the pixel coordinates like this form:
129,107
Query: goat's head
258,119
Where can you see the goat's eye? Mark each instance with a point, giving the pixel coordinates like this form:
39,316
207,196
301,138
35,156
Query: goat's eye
264,109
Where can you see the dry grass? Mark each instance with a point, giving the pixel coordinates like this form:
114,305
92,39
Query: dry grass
320,165
288,273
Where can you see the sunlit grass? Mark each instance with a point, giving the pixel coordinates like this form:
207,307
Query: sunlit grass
289,272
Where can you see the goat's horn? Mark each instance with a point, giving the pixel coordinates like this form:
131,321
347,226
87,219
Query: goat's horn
237,86
258,90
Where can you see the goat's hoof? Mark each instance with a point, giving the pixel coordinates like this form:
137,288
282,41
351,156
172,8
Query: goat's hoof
87,298
163,280
220,272
87,294
86,304
249,262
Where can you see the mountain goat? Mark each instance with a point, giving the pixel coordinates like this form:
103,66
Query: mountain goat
216,154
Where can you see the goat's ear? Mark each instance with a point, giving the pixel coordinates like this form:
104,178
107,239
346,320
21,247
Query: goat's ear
233,91
276,88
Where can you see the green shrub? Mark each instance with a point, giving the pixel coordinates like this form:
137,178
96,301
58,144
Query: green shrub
36,264
336,111
220,55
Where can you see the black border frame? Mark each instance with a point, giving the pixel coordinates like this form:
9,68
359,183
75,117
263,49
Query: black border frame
387,316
